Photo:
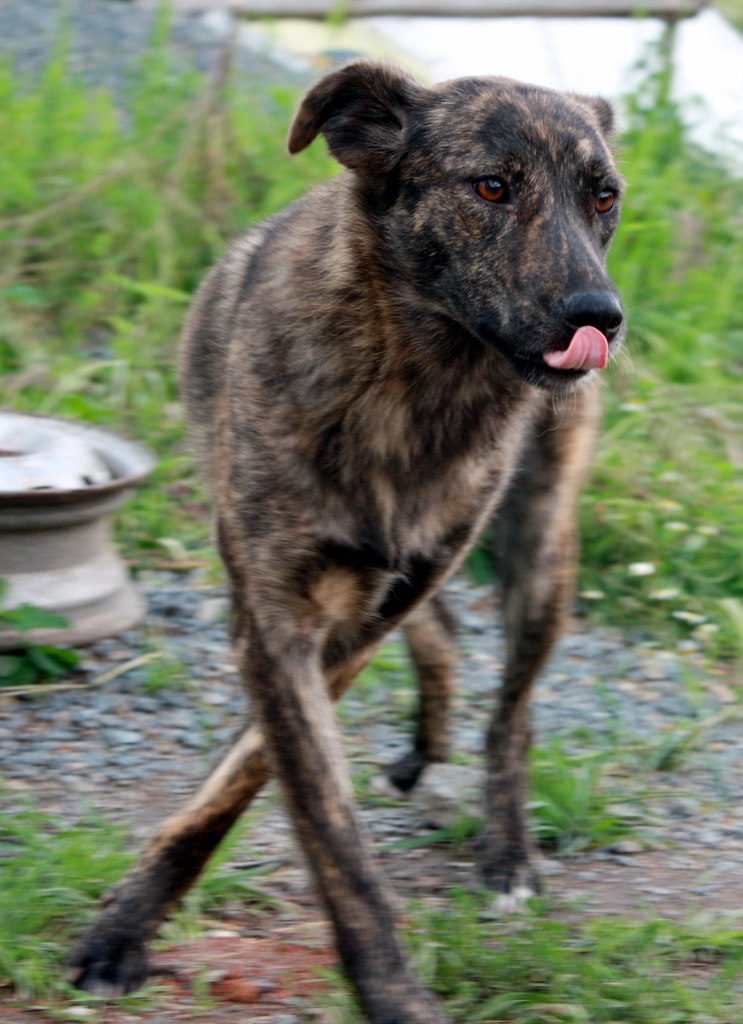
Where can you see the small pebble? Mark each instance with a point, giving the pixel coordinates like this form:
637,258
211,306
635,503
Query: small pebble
123,737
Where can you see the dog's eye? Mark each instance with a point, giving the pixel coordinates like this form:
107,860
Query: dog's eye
491,189
605,201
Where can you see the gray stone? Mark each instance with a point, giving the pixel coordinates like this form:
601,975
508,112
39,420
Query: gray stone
102,702
548,867
217,698
709,837
213,609
146,704
683,807
624,847
123,737
193,740
446,793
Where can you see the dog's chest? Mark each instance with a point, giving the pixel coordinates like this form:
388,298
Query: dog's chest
429,508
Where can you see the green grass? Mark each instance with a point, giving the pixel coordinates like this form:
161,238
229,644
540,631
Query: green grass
537,970
51,874
572,806
733,10
668,482
36,663
107,224
487,968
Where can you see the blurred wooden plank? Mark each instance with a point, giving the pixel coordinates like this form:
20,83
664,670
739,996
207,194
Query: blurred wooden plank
451,8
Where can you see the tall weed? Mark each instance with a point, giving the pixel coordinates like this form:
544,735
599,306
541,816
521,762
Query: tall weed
667,487
536,970
111,211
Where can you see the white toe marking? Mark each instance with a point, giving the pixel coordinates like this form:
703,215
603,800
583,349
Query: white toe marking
513,902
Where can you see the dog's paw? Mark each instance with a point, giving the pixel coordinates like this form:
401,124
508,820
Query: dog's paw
108,965
513,887
512,902
403,774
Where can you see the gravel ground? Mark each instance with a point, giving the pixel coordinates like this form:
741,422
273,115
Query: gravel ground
134,745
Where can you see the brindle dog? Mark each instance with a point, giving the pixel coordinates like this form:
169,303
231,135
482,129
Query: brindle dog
371,374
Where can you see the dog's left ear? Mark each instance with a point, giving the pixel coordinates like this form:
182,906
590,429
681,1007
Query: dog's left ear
363,111
602,111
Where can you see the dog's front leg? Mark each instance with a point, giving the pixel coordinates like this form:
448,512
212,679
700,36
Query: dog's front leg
291,695
111,957
537,550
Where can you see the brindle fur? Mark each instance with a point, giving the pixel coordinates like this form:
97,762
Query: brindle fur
364,376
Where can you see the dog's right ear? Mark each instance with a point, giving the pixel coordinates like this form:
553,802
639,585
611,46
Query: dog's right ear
363,110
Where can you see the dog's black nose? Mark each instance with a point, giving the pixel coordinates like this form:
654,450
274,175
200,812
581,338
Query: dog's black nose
593,309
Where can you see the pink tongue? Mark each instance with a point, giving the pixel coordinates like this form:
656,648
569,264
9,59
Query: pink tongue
588,350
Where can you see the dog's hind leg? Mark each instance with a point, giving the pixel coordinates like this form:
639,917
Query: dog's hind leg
429,632
537,548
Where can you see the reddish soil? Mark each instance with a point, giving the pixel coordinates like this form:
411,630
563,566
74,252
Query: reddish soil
218,980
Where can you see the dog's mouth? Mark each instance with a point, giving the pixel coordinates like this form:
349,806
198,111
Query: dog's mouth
587,350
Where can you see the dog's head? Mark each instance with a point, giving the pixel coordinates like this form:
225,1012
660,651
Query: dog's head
496,200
